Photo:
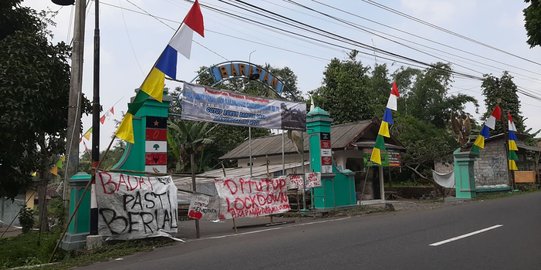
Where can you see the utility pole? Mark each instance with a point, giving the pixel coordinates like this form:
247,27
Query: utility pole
75,96
95,121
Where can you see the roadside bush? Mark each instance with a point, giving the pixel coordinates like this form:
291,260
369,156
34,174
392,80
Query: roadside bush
57,215
26,219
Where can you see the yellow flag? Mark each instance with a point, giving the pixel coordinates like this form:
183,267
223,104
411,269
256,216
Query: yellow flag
384,129
480,141
87,134
125,130
513,145
376,156
54,170
513,165
154,84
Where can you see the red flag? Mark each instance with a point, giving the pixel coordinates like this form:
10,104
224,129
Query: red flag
497,112
394,90
194,19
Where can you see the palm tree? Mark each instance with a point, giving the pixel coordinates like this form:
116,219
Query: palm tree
186,138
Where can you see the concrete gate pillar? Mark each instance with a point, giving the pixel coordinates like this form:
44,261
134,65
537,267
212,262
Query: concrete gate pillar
464,174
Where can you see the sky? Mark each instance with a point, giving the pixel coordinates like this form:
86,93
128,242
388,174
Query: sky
131,42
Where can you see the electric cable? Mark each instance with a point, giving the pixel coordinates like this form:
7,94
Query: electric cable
421,37
376,4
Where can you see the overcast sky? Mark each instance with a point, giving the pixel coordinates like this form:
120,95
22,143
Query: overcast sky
131,42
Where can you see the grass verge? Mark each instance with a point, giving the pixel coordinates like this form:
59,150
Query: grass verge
32,249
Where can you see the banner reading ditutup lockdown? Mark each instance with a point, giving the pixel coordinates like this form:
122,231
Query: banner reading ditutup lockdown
245,197
205,104
132,207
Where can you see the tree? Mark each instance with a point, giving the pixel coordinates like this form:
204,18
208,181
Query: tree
426,94
424,113
34,85
424,143
532,22
345,90
379,90
287,76
503,91
185,138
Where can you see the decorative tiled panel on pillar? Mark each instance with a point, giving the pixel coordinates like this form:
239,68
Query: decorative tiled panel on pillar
156,144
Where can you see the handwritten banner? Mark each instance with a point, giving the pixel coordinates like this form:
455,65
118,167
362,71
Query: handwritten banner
295,181
205,104
203,207
245,197
133,207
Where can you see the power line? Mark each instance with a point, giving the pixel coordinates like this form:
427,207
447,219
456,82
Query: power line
384,36
374,3
130,41
352,42
423,38
162,22
304,36
298,36
381,36
223,34
337,37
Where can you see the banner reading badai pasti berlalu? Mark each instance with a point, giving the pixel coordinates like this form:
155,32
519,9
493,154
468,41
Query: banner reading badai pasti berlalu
133,207
200,103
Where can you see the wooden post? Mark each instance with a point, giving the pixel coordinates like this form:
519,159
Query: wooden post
194,188
234,223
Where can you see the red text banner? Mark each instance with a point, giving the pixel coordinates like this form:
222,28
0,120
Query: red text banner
245,197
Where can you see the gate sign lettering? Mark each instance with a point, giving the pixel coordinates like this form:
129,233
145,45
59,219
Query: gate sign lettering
245,197
133,207
234,69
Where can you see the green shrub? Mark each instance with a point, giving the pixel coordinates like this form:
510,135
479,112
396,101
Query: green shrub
26,219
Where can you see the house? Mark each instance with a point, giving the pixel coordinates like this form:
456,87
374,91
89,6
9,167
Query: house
491,169
351,145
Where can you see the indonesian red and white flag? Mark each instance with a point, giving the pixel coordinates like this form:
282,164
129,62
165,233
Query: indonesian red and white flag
495,116
510,122
392,102
193,22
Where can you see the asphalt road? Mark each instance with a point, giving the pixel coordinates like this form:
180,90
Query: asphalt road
398,240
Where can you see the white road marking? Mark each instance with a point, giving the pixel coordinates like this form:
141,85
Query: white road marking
464,236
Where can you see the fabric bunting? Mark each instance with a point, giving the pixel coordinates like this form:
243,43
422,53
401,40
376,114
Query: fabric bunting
58,165
107,115
54,170
512,142
479,142
388,116
154,83
384,127
87,134
393,97
494,116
